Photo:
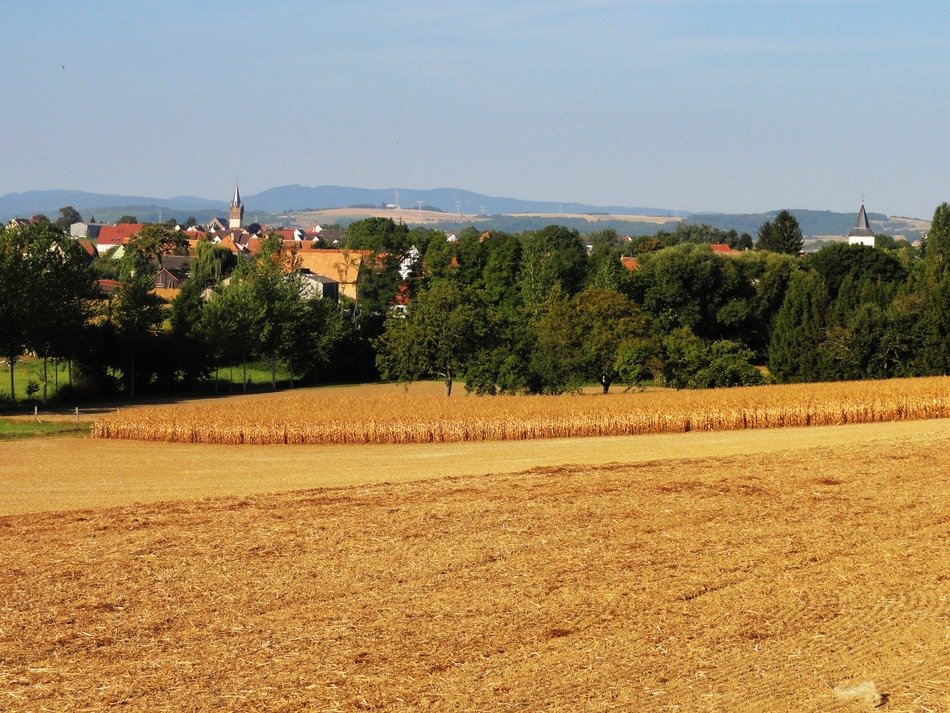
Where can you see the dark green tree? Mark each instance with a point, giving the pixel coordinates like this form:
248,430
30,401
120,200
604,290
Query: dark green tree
799,329
551,257
135,312
14,298
155,240
381,235
781,235
67,216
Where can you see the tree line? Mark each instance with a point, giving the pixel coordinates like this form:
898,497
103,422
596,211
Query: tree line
542,311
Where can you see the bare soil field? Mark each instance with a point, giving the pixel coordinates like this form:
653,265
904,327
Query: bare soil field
601,217
724,583
307,219
41,475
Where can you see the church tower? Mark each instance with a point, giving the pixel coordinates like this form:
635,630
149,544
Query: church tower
236,214
861,233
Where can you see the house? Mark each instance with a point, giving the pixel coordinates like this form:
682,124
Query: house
344,266
630,263
89,248
106,287
312,285
112,236
861,233
166,280
85,230
723,249
217,225
409,262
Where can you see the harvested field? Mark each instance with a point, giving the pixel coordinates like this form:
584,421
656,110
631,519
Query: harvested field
338,416
739,583
63,474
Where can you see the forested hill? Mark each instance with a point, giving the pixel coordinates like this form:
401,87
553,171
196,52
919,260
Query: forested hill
812,222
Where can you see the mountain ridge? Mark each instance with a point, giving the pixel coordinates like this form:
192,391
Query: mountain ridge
275,203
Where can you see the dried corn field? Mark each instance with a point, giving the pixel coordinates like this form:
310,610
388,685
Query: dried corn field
316,416
739,583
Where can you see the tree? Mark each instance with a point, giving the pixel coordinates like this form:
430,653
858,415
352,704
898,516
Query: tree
782,235
500,272
690,362
552,256
687,286
14,298
59,280
799,329
603,321
836,262
67,216
443,329
377,234
134,310
313,330
937,253
127,219
155,240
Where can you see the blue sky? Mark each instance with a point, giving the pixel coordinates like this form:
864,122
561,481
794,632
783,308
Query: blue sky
686,104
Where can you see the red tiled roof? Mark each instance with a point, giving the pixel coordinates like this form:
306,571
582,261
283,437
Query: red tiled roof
118,234
630,263
722,249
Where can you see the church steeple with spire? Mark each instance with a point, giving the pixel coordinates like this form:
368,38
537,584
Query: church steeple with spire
236,214
861,233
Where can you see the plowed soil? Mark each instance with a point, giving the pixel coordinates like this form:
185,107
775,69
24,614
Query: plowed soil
751,582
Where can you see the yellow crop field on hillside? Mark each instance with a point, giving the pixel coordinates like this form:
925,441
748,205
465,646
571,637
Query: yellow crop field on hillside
314,416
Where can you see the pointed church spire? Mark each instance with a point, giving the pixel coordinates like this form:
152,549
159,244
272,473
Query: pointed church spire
236,214
861,233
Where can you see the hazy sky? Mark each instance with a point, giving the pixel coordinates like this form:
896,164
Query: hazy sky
697,105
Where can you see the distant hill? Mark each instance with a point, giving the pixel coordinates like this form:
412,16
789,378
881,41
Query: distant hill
295,198
511,214
812,222
287,199
49,203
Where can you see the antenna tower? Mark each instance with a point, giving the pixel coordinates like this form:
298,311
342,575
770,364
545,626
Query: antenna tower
396,198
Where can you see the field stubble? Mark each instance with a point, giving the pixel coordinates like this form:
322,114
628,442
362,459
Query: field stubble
746,583
316,416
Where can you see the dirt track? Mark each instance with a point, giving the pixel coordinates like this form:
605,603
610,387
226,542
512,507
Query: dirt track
728,583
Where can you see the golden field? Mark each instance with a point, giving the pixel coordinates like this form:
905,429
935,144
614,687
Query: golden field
748,582
48,474
355,415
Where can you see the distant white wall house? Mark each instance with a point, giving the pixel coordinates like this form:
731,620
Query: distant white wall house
85,230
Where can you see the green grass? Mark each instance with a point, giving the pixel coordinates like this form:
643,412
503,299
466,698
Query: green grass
258,374
31,369
29,429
